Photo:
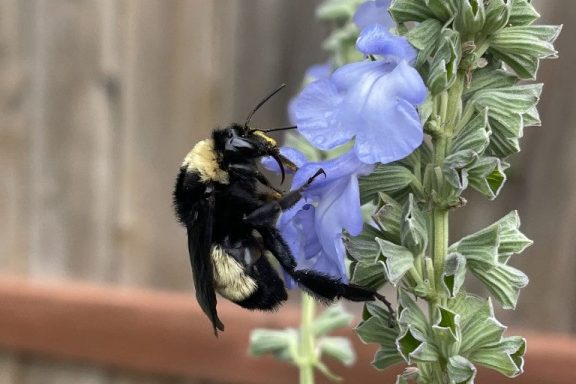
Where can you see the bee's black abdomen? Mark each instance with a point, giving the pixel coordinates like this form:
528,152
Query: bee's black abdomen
270,293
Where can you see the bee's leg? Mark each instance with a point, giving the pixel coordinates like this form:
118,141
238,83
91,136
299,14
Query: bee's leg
288,163
321,286
249,171
271,210
264,181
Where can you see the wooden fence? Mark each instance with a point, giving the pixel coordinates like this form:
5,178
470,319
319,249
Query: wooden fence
101,99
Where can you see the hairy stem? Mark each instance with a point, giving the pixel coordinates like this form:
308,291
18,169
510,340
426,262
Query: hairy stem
450,108
307,358
440,239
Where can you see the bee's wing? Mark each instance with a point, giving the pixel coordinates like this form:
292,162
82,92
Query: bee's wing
199,247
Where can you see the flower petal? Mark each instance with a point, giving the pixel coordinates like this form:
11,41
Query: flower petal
318,72
341,166
317,114
399,135
339,208
373,12
382,83
376,40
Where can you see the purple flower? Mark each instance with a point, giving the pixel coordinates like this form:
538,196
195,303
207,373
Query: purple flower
372,101
313,227
373,12
318,71
314,73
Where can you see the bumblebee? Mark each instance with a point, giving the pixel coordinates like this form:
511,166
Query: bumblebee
229,209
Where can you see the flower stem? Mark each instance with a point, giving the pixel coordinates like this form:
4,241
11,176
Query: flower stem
440,223
307,356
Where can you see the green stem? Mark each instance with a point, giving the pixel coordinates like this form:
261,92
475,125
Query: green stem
307,353
439,253
450,108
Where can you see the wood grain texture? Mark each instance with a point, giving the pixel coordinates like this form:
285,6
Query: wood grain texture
101,99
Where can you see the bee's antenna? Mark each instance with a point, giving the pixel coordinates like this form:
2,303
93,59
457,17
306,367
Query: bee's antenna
261,103
277,129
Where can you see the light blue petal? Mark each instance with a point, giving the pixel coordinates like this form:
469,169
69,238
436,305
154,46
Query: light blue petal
341,166
391,134
294,155
380,84
338,208
318,72
376,40
373,12
310,246
349,75
288,215
331,266
318,117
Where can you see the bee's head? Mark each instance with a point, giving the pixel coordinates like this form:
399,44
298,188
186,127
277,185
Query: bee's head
240,143
244,141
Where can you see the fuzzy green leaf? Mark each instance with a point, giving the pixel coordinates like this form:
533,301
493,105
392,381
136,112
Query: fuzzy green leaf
388,218
425,37
411,314
444,65
363,247
442,9
454,168
479,326
338,348
503,281
531,117
461,370
506,356
497,15
414,347
385,178
446,332
532,40
386,357
511,239
277,343
414,230
369,275
372,309
525,66
410,374
425,34
523,13
480,248
470,17
501,101
333,318
475,135
487,176
454,273
489,78
506,107
522,47
410,10
398,260
377,330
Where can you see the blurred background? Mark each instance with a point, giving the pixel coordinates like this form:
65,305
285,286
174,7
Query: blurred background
100,100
